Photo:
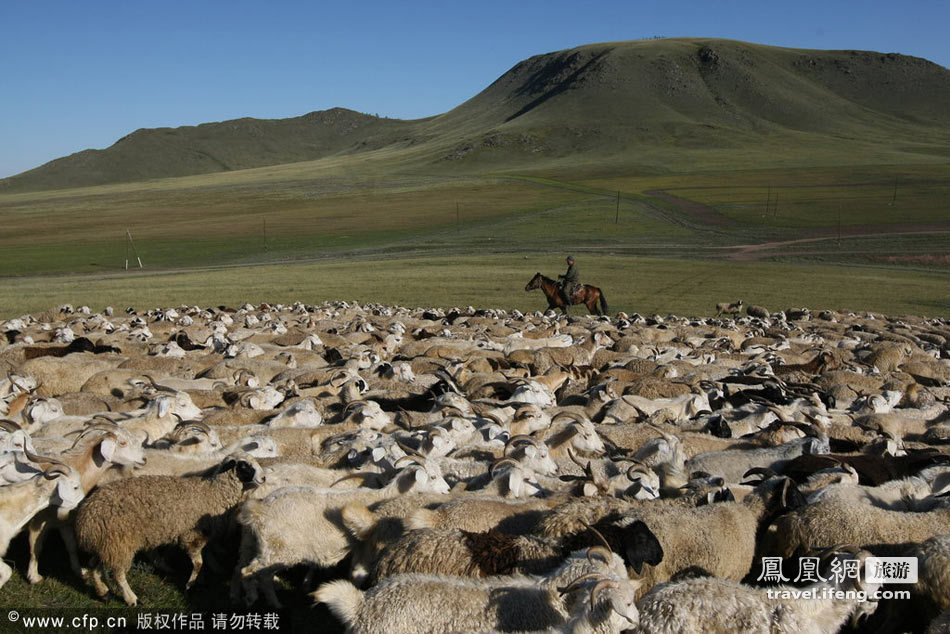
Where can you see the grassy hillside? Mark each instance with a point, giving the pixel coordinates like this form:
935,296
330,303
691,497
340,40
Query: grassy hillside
656,105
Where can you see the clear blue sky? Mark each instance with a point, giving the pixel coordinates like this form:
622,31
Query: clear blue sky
80,74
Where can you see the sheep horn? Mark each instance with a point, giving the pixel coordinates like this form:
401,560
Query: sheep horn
569,414
409,450
576,460
450,409
109,429
42,459
56,470
519,439
500,462
598,588
411,459
640,468
9,425
765,472
599,551
350,477
160,388
580,581
600,536
492,416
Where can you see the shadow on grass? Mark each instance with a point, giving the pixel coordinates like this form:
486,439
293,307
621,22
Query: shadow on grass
62,593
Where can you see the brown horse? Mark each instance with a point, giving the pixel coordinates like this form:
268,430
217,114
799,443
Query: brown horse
585,294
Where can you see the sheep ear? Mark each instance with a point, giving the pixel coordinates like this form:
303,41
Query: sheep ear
531,452
164,406
378,453
457,425
641,546
515,484
245,471
358,520
421,476
590,489
792,498
107,448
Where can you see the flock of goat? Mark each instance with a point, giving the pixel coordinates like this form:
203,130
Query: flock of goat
487,470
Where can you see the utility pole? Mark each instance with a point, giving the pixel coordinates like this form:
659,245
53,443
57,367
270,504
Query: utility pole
129,243
265,234
894,195
617,217
458,217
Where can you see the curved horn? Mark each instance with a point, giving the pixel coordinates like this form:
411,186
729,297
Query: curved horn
492,416
56,470
569,414
196,425
598,588
638,468
409,450
160,388
350,476
580,581
518,439
500,462
576,460
8,425
42,459
765,472
411,459
600,537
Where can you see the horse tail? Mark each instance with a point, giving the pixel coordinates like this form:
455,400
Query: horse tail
603,304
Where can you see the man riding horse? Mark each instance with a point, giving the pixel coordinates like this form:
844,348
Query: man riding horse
571,281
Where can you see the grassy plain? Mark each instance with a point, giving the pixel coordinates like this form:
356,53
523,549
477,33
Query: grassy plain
631,284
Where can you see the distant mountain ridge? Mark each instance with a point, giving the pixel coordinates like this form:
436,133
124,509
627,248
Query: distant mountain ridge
610,100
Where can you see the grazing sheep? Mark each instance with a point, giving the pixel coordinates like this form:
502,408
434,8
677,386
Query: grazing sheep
718,538
58,485
467,554
417,603
718,605
304,525
91,456
121,518
734,464
826,523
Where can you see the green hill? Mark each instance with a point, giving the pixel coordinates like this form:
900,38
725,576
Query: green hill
652,106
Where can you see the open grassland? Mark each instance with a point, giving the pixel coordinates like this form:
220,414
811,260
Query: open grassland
272,214
632,284
315,231
805,198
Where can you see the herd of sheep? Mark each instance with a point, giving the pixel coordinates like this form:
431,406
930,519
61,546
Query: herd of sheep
485,470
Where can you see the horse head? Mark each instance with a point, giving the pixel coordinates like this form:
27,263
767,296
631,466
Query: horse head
534,283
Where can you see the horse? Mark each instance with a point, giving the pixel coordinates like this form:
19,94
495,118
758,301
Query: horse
584,294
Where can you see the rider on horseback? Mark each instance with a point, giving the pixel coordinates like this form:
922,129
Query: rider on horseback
571,280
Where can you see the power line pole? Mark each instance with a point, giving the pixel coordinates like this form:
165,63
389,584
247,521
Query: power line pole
458,217
130,243
617,217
